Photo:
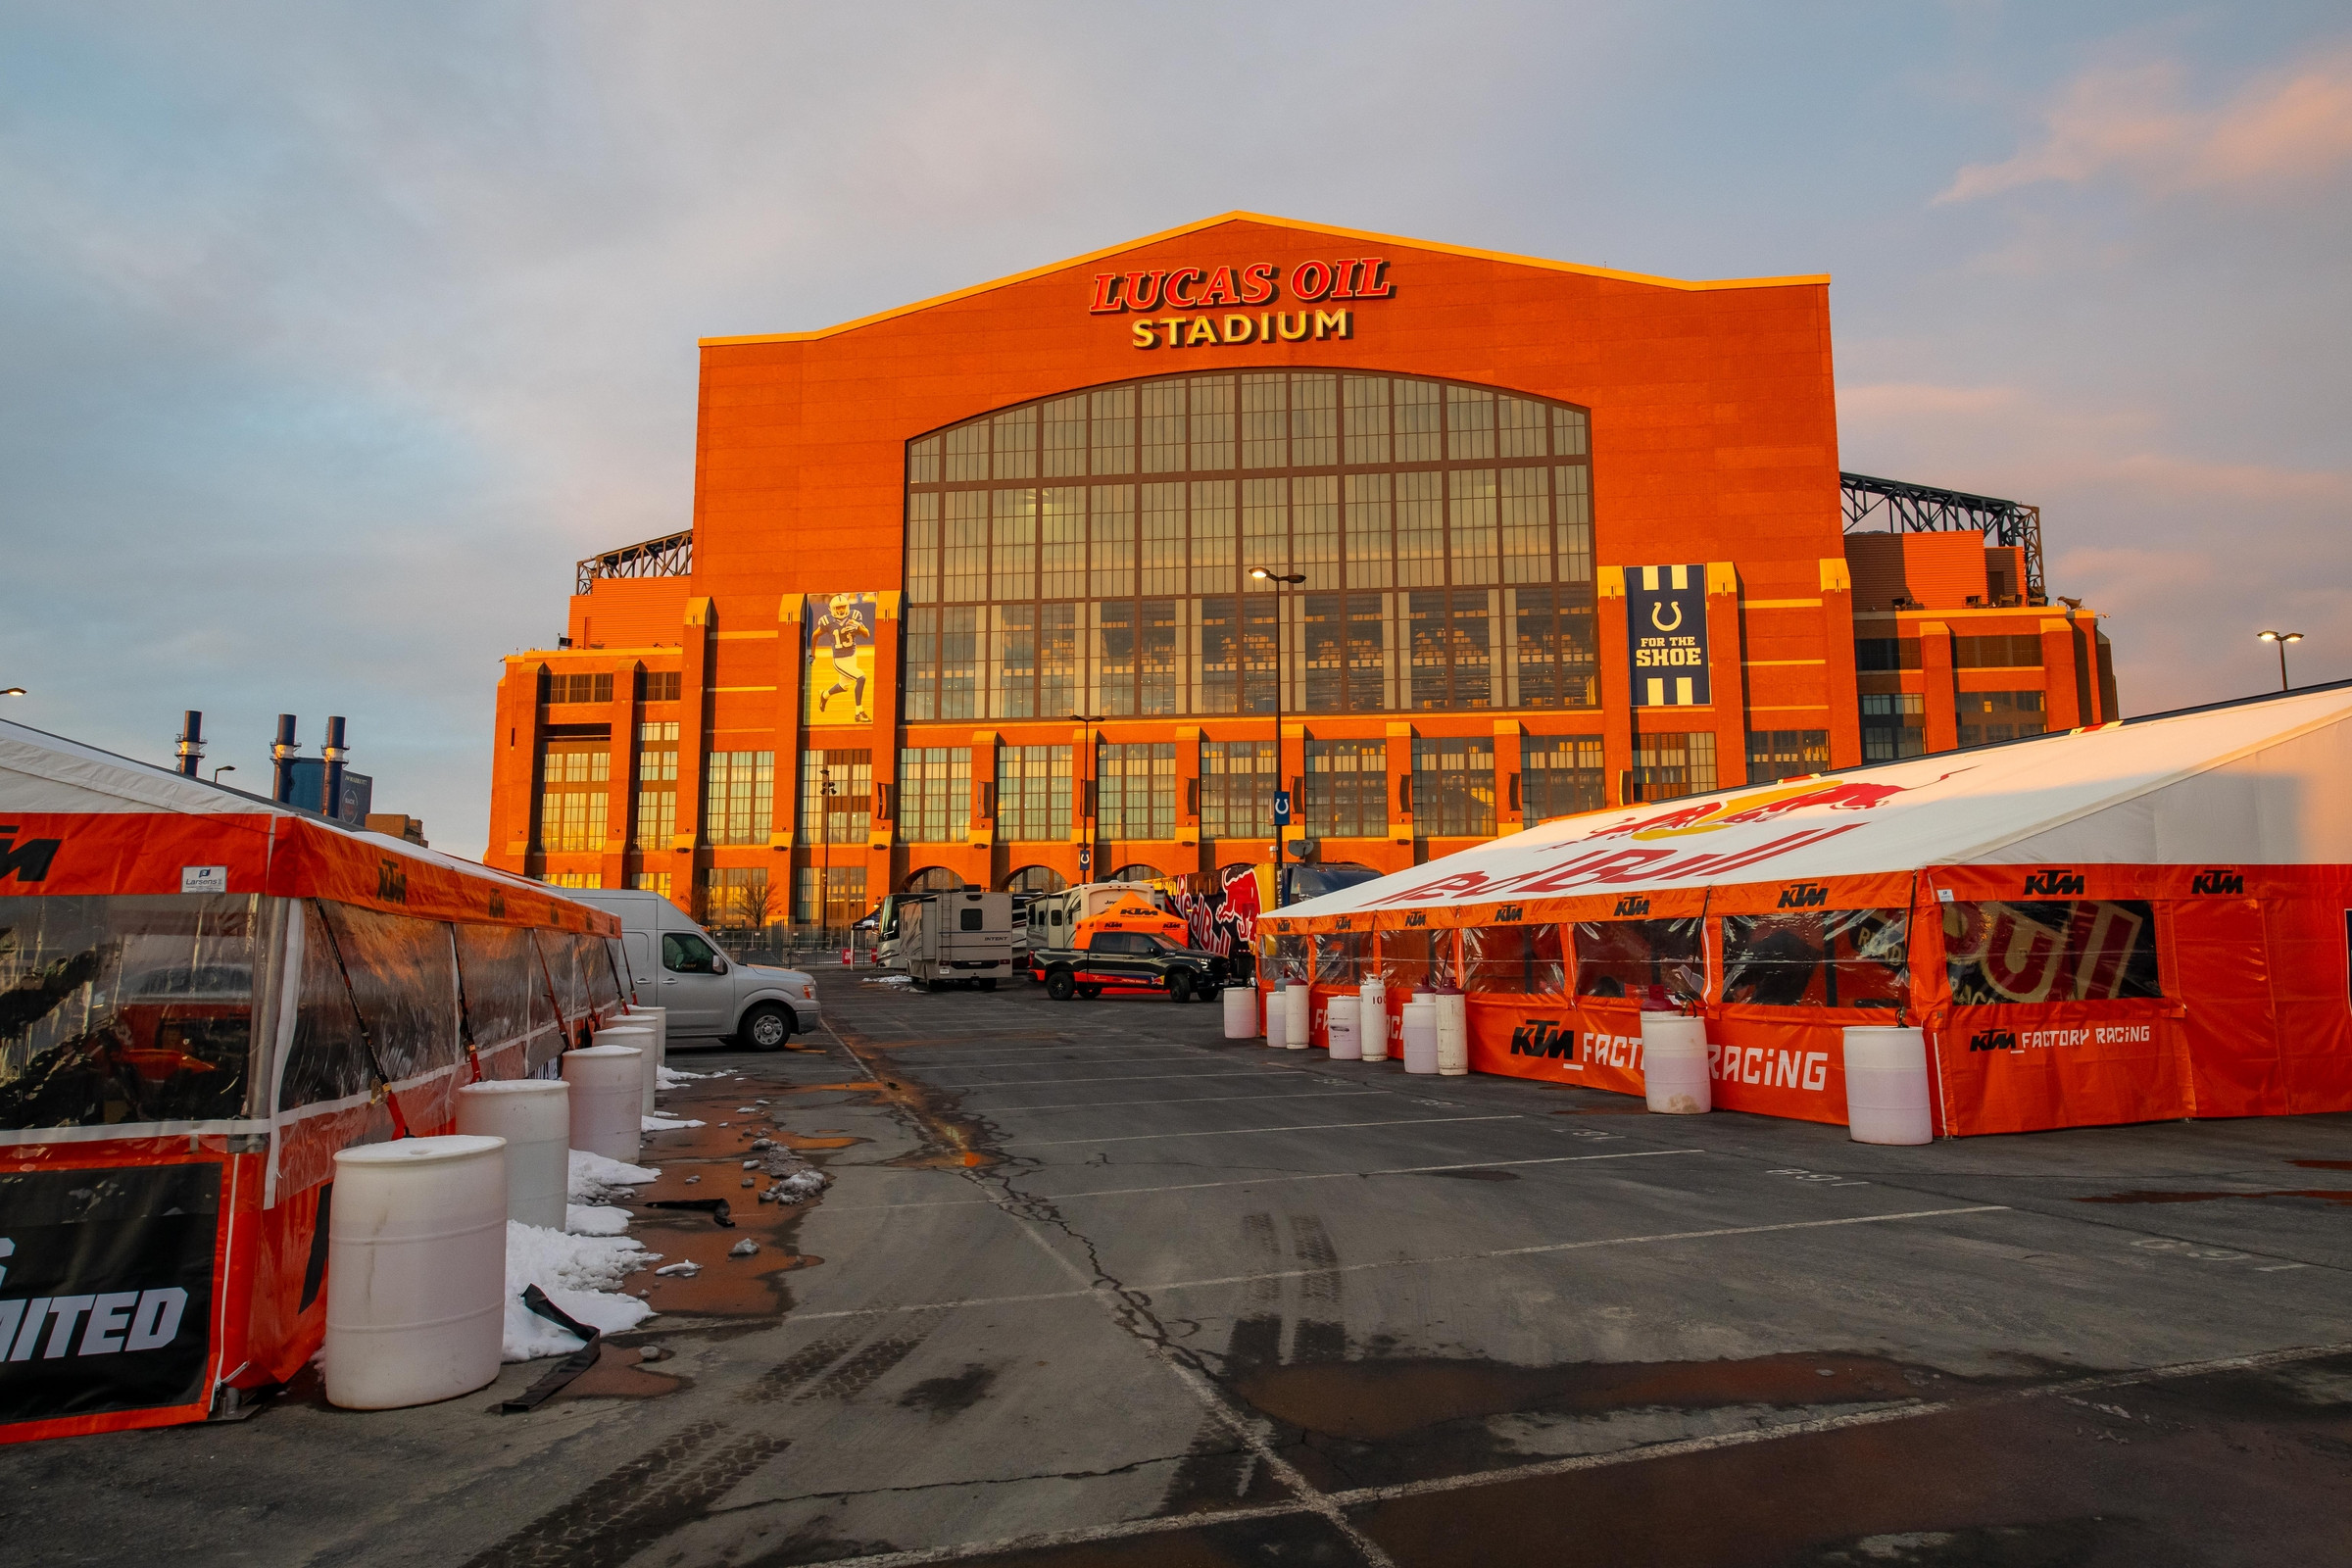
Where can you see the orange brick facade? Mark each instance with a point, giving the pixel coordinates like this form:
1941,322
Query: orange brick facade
1712,440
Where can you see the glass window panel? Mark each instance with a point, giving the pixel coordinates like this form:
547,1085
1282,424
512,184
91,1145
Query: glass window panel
1371,531
1365,417
1367,655
1060,683
1469,641
1472,513
1114,429
1265,528
1258,652
1568,432
1064,433
1453,786
1425,627
958,662
1525,513
1215,558
967,452
1315,527
1560,776
1265,426
964,554
1314,421
1420,529
1572,522
1016,444
1212,423
1114,540
1061,534
919,681
922,461
1163,557
1325,624
1817,959
1220,654
1159,673
1469,423
1114,657
1669,766
1347,789
923,548
1163,426
1013,657
1013,538
1417,412
1033,793
935,794
1519,426
1657,961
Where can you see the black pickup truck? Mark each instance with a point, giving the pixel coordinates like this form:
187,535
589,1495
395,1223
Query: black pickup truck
1128,960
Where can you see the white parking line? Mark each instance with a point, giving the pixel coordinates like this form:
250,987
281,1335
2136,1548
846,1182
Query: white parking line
1192,1100
1123,1078
1236,1132
1269,1181
1415,1263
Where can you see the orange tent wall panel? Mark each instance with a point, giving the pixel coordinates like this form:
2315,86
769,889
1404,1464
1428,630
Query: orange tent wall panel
2310,945
1588,1041
2217,963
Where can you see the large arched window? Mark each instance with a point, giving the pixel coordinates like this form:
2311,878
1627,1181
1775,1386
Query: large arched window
1091,553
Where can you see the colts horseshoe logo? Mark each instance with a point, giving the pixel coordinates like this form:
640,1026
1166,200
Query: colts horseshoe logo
1657,614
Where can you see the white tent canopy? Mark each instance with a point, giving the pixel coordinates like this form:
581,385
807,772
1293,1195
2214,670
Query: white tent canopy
2262,782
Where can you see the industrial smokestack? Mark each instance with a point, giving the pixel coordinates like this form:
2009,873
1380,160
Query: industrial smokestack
190,750
281,758
331,777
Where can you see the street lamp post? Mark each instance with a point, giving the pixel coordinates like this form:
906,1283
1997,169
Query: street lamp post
12,691
1280,579
1086,794
2281,638
224,767
824,877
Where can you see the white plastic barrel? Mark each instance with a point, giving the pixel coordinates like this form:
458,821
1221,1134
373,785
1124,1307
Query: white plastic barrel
534,1116
1241,1012
415,1271
1298,1032
1421,1035
1372,1021
1674,1064
1887,1086
607,1085
639,1038
1454,1033
658,1019
1339,1016
1278,1018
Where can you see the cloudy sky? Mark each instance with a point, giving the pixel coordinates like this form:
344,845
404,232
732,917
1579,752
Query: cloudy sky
330,336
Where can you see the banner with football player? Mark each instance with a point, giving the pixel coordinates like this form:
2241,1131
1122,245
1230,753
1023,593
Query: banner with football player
837,684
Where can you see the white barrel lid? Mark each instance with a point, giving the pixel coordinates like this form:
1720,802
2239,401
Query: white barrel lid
606,1050
421,1150
517,1085
635,1031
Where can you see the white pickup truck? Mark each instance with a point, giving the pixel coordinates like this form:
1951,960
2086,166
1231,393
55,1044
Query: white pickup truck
676,963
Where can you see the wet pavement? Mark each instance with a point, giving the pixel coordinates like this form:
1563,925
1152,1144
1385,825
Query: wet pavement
1092,1286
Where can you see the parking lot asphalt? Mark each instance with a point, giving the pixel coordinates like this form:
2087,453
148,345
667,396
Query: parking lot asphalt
1093,1284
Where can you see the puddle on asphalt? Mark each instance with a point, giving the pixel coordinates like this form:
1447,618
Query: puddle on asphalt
944,1398
621,1373
2325,1195
2322,1165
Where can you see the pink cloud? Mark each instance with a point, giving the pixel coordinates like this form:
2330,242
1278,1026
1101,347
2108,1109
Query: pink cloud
2131,121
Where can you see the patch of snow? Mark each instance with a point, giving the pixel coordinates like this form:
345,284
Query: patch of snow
672,1077
592,1174
579,1274
800,1187
594,1220
688,1268
667,1124
889,980
744,1248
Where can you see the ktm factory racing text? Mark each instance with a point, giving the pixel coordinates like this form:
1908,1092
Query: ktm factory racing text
1752,1065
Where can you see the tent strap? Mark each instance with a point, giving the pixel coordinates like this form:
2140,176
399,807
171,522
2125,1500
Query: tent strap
375,1063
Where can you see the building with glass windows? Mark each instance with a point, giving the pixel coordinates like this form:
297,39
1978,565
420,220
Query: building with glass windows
1070,574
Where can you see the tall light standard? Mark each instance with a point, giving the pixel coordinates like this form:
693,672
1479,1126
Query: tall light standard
824,877
2281,638
1086,796
224,767
1281,580
12,691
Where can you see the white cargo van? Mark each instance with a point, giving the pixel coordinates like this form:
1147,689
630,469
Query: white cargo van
676,964
962,938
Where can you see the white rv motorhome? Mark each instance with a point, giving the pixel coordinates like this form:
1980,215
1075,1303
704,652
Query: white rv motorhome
962,938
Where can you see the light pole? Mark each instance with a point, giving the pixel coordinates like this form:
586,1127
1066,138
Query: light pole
1280,579
12,691
1086,796
2281,638
824,878
224,767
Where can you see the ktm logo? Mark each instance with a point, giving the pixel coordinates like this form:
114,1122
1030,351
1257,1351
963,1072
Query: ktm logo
2219,882
27,862
391,882
1346,923
1633,904
2054,883
1509,912
1543,1037
1803,896
1994,1040
1416,918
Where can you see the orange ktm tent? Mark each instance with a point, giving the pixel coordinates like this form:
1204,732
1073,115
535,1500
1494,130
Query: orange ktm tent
2140,920
202,997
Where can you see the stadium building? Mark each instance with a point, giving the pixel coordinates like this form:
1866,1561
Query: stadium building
1066,576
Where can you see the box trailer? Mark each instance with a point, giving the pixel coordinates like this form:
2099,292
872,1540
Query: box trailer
962,938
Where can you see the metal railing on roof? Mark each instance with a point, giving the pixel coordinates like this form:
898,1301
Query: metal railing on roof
670,555
1903,508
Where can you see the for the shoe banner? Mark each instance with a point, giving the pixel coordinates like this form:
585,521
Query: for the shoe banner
1666,622
105,1287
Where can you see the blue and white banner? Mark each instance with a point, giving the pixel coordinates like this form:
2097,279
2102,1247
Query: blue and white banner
1666,624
